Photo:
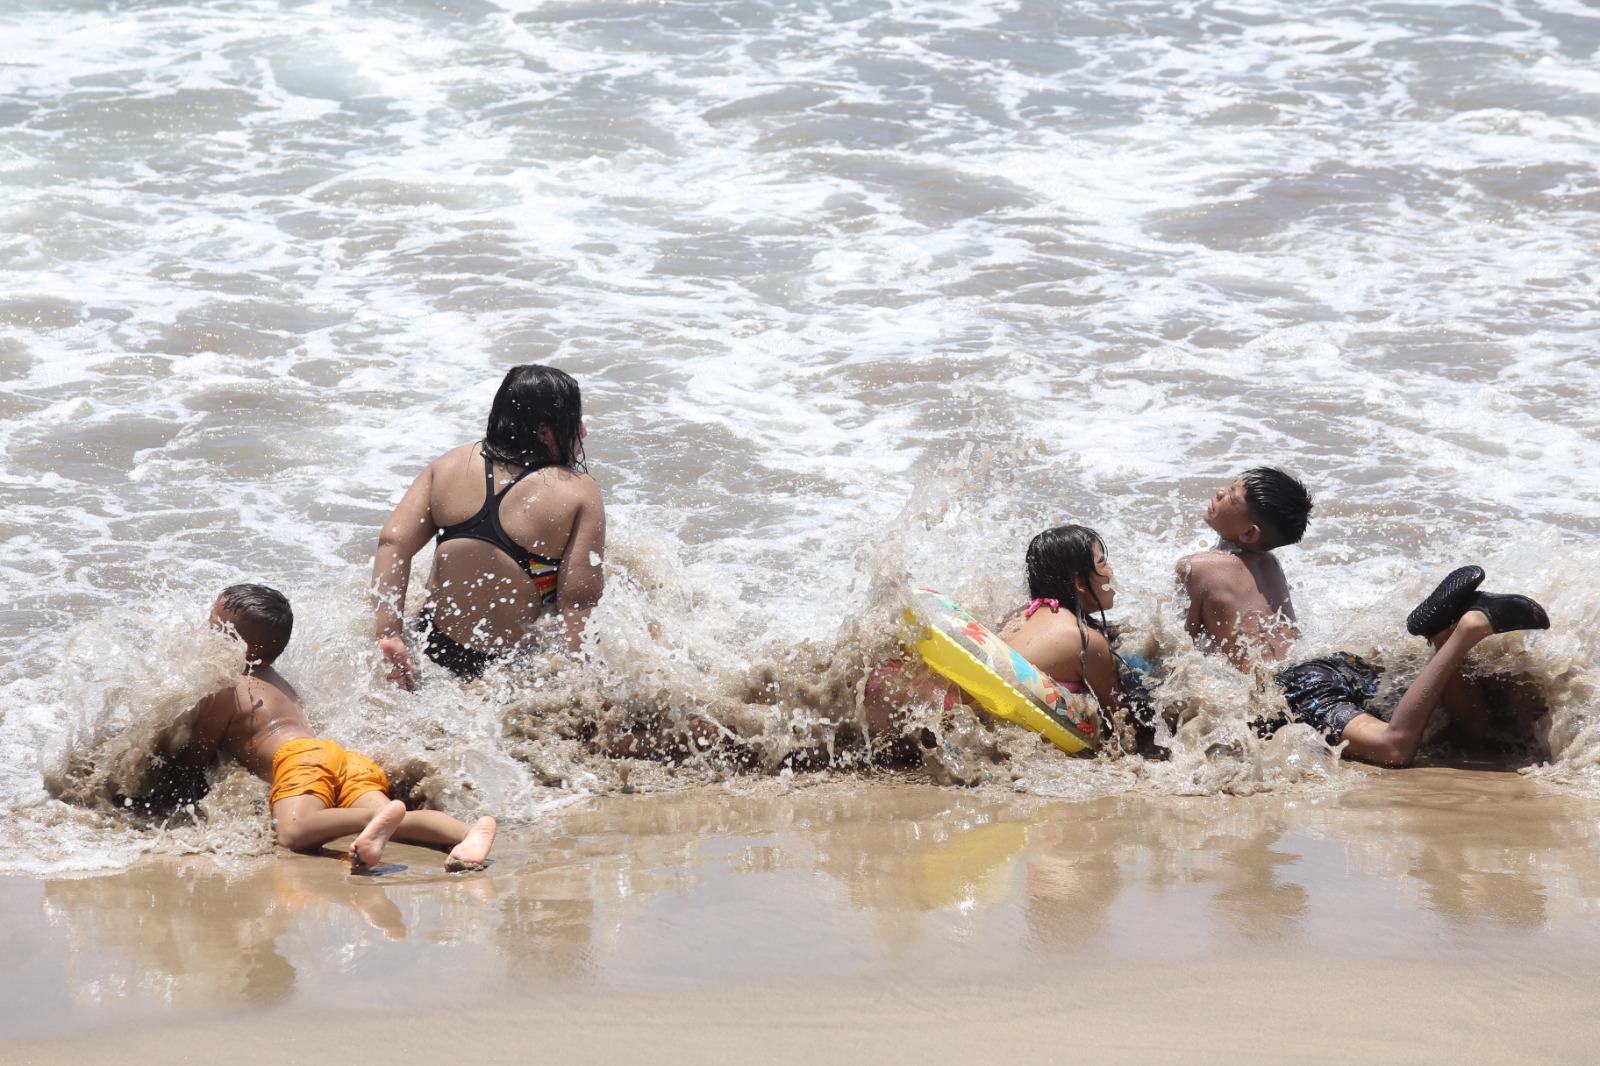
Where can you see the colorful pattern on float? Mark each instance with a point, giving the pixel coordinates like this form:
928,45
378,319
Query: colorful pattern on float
960,648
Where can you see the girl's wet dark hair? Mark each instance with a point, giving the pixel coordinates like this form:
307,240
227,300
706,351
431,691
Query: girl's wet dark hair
532,396
1057,560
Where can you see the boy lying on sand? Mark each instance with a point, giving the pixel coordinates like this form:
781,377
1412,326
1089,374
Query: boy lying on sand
320,791
1239,605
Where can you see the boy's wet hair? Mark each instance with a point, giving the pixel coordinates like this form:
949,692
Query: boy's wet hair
266,620
1057,560
1280,505
531,396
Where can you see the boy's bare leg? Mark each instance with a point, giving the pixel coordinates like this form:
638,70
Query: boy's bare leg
305,823
431,827
1395,742
1464,698
373,818
469,844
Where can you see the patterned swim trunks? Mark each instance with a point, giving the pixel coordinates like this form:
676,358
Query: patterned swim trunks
1325,694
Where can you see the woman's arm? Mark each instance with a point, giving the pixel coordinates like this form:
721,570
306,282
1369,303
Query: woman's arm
581,580
403,535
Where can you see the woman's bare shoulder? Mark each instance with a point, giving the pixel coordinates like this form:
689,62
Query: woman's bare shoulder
576,485
462,459
460,453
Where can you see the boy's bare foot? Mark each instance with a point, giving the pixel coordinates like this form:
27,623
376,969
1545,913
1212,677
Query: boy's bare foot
473,851
367,851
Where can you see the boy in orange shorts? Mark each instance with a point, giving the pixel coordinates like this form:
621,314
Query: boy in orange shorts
320,791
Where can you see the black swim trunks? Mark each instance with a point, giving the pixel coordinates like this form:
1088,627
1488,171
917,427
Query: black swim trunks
1325,694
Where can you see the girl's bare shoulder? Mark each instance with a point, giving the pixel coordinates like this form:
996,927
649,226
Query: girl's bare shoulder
1048,625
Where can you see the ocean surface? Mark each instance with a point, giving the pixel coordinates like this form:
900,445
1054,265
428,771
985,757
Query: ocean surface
859,293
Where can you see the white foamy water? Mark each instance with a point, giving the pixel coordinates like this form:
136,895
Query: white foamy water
859,293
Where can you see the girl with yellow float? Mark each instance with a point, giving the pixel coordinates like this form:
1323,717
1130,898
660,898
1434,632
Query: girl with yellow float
1051,668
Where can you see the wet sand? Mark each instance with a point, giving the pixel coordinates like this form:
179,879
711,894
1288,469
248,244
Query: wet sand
1432,915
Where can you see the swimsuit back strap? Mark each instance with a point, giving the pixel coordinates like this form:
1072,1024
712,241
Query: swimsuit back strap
488,471
513,482
488,476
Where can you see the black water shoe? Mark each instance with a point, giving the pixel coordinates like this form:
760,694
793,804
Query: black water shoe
1445,605
1509,612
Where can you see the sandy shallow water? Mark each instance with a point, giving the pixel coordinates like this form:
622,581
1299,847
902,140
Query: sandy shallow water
1434,915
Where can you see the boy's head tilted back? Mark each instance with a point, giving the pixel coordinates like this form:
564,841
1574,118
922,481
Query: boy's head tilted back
260,615
1261,510
1280,504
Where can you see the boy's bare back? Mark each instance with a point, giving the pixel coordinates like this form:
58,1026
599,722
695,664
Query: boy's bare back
249,721
1238,597
1239,601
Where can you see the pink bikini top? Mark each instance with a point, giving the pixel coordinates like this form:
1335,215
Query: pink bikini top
1054,605
1034,605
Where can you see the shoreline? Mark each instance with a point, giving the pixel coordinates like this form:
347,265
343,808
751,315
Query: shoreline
1421,916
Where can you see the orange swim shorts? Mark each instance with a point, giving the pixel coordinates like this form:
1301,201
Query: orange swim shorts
323,769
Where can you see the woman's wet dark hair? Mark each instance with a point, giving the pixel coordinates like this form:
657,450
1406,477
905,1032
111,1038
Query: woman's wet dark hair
1057,560
532,396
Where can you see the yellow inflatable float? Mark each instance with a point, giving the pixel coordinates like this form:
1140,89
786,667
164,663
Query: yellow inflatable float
957,646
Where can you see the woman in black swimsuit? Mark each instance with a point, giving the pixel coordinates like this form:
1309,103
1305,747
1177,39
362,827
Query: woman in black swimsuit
520,529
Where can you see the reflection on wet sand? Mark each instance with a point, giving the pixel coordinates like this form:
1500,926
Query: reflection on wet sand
1503,854
626,889
188,932
172,932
